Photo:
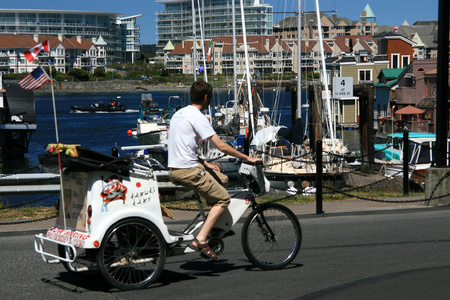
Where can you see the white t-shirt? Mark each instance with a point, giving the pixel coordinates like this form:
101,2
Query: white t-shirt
187,127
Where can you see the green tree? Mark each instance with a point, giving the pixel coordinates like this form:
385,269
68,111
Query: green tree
99,72
79,74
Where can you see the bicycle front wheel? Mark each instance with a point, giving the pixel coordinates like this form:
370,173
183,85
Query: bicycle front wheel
271,238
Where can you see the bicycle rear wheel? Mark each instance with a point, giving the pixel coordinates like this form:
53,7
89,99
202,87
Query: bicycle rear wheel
272,238
132,254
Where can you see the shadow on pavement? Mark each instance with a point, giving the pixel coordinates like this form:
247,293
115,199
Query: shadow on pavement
430,283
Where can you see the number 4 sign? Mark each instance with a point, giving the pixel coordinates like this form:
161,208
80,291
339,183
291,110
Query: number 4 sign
342,87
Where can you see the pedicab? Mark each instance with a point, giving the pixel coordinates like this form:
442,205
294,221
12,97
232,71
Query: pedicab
110,221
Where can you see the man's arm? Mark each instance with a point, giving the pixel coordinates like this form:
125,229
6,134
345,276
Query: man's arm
227,149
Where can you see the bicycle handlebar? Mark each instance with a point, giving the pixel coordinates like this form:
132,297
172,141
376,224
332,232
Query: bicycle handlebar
259,163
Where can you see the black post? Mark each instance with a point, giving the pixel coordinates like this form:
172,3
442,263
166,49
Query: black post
294,102
442,85
246,146
405,162
319,200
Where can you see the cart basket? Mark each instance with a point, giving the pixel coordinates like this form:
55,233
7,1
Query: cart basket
87,160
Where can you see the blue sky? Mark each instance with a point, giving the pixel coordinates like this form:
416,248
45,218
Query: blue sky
388,12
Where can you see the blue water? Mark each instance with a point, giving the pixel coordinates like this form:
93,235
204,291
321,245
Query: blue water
102,131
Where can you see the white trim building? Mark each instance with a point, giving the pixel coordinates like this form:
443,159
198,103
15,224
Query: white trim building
65,54
119,33
174,24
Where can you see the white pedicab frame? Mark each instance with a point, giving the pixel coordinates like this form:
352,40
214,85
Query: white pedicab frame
113,224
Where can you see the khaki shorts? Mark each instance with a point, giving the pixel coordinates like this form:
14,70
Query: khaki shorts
210,184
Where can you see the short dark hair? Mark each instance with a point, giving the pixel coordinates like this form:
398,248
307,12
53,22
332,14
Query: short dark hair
198,91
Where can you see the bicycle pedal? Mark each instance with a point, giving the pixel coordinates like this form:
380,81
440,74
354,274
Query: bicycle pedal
229,233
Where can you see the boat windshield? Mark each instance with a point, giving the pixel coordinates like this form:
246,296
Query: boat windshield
424,154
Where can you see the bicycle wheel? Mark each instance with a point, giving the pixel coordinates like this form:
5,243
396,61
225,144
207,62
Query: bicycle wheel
271,239
132,254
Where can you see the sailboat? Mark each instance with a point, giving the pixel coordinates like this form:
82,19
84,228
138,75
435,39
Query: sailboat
292,160
241,113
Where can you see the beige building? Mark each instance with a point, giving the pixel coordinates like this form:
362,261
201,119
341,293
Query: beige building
266,55
64,54
332,26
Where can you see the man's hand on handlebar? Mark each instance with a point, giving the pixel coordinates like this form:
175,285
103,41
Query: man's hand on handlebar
253,160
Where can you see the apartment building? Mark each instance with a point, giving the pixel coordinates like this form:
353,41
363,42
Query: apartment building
175,25
266,55
332,26
120,34
65,53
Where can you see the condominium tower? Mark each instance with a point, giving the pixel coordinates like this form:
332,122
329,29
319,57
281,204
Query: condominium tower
175,24
120,33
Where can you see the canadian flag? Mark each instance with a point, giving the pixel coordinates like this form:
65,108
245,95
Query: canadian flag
209,51
33,52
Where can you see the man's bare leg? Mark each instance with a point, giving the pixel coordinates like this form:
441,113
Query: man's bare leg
210,221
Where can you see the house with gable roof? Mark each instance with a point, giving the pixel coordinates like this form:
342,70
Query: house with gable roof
266,55
64,54
385,91
178,59
332,26
423,33
398,49
417,88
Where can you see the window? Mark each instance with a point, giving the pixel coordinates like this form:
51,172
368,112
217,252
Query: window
405,60
395,61
365,75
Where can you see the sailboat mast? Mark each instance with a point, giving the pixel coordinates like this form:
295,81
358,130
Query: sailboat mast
234,55
194,42
247,71
202,37
299,59
325,79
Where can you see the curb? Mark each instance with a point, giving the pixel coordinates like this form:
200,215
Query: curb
302,211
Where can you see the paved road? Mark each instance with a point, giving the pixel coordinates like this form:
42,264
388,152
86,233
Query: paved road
389,254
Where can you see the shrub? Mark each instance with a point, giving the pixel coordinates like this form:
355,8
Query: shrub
99,72
79,74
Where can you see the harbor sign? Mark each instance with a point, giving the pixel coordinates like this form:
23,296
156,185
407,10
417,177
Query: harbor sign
342,87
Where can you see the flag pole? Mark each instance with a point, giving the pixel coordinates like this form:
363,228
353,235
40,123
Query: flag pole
57,147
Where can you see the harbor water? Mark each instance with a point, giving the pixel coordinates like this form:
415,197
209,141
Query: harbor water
102,131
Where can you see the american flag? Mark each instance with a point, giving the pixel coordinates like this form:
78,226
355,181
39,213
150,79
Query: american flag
34,80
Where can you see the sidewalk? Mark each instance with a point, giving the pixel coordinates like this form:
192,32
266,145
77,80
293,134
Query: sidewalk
301,210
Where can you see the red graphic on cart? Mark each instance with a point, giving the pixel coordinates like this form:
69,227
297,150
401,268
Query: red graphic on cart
112,191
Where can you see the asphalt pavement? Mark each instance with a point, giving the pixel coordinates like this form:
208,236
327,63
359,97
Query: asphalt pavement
416,284
8,228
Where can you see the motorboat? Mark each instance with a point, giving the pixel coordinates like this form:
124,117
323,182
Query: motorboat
99,106
153,122
389,156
